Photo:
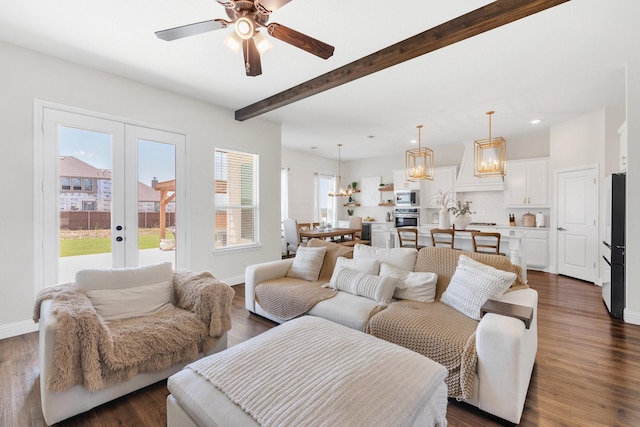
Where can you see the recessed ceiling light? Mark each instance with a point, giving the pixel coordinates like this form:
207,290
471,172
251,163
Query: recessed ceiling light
535,121
371,136
313,147
414,141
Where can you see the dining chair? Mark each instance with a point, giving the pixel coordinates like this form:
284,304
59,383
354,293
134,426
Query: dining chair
304,226
443,237
355,222
486,242
291,236
408,237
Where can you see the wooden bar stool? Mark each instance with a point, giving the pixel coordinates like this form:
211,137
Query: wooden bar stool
486,242
408,237
442,237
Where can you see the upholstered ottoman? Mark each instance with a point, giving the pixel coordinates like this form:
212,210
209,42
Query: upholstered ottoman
309,372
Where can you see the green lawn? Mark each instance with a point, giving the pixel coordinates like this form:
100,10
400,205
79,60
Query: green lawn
100,245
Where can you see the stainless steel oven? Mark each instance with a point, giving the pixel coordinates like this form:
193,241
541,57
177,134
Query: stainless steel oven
407,217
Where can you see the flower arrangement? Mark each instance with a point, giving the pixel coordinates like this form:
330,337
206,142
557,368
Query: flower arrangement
461,208
442,198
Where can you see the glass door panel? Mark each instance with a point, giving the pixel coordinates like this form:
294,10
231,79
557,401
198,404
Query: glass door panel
156,202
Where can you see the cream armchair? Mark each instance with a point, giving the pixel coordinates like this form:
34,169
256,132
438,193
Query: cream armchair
124,329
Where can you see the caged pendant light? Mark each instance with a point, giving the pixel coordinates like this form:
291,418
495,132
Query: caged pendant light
490,155
419,162
340,192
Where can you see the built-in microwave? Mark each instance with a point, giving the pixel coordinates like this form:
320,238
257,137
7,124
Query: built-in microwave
406,198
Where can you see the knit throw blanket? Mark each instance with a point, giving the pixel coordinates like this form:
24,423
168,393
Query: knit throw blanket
288,297
437,331
313,372
96,354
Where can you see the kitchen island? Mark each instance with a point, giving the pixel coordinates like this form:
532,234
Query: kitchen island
511,243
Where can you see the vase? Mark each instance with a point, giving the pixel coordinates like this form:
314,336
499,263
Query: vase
443,218
462,221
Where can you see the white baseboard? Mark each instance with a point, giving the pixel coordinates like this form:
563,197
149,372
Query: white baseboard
235,280
18,328
631,316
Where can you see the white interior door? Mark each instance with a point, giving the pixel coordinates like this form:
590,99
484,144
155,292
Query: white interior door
102,187
576,223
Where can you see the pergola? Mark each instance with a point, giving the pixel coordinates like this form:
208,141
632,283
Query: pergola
167,191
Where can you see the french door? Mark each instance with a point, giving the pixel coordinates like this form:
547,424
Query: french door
112,194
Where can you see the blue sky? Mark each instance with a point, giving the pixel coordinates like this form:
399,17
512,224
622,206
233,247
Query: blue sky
154,159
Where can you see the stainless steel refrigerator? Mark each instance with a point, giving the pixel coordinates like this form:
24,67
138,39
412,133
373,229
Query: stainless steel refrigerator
613,292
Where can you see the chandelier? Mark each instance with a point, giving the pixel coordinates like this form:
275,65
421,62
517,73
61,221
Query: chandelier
340,192
419,162
490,155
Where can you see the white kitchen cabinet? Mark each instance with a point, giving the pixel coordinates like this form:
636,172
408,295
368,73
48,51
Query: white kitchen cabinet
527,183
537,249
444,179
380,234
400,181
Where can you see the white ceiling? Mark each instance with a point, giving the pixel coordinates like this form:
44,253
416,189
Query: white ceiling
555,65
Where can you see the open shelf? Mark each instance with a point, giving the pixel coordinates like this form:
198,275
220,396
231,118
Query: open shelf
389,188
386,204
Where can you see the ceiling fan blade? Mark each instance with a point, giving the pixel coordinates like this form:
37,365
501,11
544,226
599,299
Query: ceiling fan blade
271,5
251,56
191,29
300,40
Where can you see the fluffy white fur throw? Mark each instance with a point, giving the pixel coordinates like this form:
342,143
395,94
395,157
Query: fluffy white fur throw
90,352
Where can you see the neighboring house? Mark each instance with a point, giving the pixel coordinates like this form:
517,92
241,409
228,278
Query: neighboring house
86,188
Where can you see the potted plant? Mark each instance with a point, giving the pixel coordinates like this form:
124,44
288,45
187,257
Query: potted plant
442,199
350,212
354,185
462,213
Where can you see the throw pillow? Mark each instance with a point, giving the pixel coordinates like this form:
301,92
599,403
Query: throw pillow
118,278
472,284
416,286
334,251
403,258
307,263
364,265
377,288
127,303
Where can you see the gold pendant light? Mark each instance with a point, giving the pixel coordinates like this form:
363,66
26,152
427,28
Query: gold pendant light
340,192
490,155
420,162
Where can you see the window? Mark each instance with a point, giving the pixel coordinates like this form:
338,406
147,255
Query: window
88,184
88,206
77,184
325,205
65,183
236,201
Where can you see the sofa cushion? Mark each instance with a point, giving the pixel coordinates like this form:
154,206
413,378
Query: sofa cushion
416,286
472,284
364,265
377,288
119,278
121,304
334,251
346,309
307,263
403,258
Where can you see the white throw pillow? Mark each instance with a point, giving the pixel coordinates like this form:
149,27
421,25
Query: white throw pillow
377,288
307,263
402,258
472,284
416,286
127,303
364,265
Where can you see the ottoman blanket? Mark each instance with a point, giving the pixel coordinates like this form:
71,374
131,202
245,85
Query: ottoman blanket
313,372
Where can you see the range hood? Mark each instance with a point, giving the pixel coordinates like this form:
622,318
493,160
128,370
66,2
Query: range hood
467,181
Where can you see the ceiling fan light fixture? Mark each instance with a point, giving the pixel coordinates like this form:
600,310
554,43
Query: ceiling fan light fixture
490,155
233,42
262,44
244,28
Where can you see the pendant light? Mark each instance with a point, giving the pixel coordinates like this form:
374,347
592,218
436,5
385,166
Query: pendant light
490,155
419,162
340,192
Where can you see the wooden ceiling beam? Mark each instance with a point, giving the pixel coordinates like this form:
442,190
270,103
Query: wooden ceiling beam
486,18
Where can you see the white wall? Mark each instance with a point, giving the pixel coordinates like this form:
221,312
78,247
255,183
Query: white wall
27,75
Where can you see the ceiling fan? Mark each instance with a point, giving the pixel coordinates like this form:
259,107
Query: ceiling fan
247,16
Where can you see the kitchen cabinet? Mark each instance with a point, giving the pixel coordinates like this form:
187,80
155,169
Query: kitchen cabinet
380,234
536,249
527,184
444,179
400,181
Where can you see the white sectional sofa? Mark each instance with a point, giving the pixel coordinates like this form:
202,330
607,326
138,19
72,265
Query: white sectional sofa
505,347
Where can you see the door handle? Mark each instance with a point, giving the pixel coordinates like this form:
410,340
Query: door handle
562,229
119,239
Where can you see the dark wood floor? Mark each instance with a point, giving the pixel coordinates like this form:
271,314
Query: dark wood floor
587,369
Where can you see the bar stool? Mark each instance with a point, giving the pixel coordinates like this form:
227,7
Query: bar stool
486,242
442,237
408,237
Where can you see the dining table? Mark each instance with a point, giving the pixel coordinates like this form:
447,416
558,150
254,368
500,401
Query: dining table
329,233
